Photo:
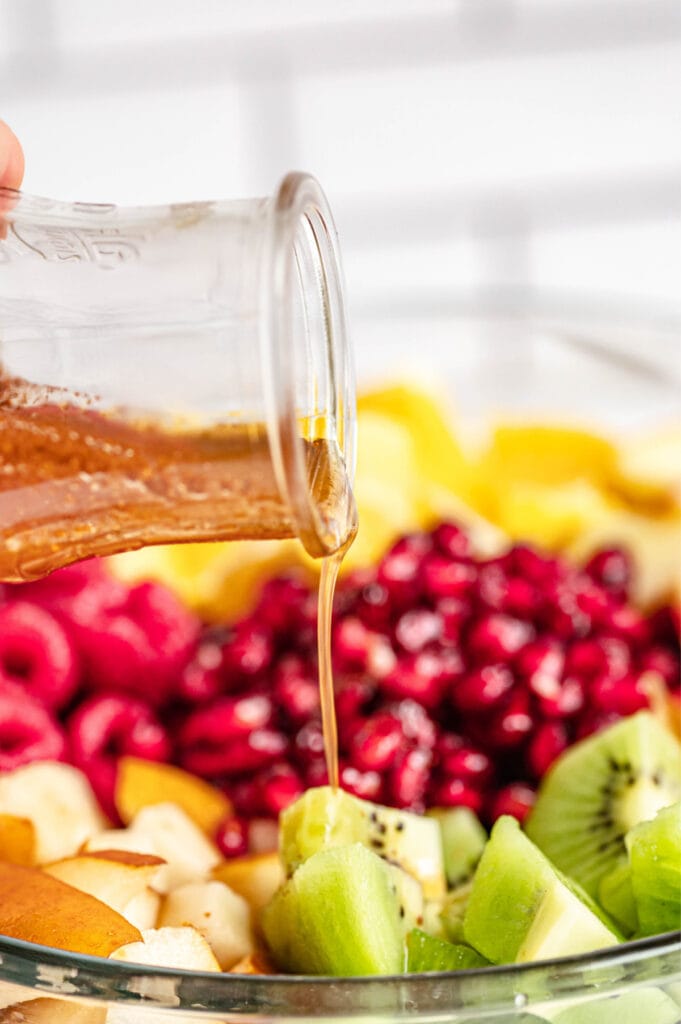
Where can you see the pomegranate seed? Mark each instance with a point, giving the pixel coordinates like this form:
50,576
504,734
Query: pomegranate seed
521,598
631,625
247,753
245,796
420,677
540,659
454,613
594,722
531,565
546,744
563,701
250,651
469,765
618,696
612,569
37,654
28,732
447,743
417,628
512,725
663,662
516,799
283,604
200,680
444,578
482,689
497,637
232,837
375,744
366,785
373,606
408,779
226,719
398,572
353,694
563,616
451,540
296,693
279,786
456,793
417,725
351,643
492,584
309,742
316,773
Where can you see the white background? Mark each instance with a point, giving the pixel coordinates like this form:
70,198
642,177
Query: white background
469,148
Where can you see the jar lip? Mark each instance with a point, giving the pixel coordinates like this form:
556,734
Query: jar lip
57,973
301,203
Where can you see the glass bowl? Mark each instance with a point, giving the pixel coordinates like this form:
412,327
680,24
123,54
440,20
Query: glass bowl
647,972
546,360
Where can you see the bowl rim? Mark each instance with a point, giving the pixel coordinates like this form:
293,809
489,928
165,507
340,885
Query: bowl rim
54,972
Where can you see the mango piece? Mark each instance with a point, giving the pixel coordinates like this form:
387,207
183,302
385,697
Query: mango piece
141,783
549,454
17,840
551,516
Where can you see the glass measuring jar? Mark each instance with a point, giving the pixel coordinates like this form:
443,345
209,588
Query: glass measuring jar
171,373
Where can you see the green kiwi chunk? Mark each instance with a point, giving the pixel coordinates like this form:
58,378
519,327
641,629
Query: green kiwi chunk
644,1006
463,840
323,817
426,953
616,897
654,849
338,915
454,910
521,909
601,788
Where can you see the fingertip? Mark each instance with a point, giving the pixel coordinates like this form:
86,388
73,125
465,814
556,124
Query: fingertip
11,158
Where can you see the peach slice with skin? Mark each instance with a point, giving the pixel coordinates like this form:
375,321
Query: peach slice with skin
17,840
50,1010
141,783
256,877
165,831
38,908
116,877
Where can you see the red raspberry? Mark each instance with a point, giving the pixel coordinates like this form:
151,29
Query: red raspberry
37,654
28,732
105,728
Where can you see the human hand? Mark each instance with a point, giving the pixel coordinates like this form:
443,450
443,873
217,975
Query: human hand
11,158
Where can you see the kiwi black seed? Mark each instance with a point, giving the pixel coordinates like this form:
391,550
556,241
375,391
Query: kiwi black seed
599,790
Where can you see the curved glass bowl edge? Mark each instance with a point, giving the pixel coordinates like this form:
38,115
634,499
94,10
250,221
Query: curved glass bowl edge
47,971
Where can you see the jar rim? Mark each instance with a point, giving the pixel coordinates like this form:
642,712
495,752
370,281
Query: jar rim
300,216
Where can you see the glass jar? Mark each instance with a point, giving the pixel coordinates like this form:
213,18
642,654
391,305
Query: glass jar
171,373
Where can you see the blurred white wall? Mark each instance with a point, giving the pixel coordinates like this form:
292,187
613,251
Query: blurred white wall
494,148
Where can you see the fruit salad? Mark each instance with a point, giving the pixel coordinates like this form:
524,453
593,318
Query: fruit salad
508,698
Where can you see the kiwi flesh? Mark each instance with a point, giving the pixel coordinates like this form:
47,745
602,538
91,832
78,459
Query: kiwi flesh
616,896
601,788
338,915
426,953
521,909
463,840
323,817
454,910
654,849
